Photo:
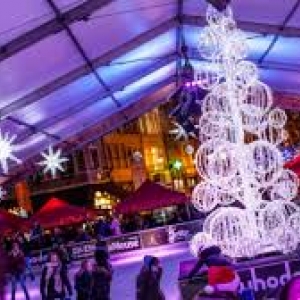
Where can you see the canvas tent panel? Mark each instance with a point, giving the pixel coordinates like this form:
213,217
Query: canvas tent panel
151,79
65,5
139,59
64,98
295,20
36,66
282,80
99,35
286,51
18,17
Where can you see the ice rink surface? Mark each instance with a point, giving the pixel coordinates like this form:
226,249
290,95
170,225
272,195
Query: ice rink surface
126,268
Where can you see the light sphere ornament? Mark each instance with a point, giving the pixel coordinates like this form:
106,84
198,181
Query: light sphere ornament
52,161
277,118
207,78
199,242
245,189
246,73
208,43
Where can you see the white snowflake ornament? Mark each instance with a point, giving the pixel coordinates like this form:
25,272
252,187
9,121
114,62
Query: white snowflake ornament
6,150
52,161
179,132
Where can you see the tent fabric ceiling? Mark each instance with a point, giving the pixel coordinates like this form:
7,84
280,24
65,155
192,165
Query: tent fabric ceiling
67,65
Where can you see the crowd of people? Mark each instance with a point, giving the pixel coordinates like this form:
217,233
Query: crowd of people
38,238
91,282
93,279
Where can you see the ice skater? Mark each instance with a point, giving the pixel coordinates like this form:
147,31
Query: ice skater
3,272
148,280
83,281
101,276
222,278
17,267
55,282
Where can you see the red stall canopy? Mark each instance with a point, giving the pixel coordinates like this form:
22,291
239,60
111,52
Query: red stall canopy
150,196
57,212
10,222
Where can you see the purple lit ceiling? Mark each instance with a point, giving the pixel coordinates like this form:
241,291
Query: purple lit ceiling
69,65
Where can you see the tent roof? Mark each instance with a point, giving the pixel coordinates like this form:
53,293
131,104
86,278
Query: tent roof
57,212
72,70
150,196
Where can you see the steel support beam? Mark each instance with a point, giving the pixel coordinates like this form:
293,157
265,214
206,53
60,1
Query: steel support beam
133,111
248,26
179,40
33,129
82,52
78,13
103,60
158,95
75,109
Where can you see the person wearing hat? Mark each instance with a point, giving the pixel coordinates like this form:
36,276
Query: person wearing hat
148,280
221,275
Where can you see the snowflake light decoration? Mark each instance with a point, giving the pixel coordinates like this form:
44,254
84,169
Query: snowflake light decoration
179,132
238,156
52,161
6,150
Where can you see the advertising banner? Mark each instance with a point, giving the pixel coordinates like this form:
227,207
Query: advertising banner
129,242
124,243
183,232
83,250
154,237
264,278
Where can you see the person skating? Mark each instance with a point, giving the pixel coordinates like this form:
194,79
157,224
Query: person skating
148,280
17,268
83,281
3,272
55,283
221,275
102,277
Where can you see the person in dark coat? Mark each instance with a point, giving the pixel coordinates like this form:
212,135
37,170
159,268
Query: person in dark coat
148,280
3,272
54,281
222,278
102,277
83,281
210,256
17,269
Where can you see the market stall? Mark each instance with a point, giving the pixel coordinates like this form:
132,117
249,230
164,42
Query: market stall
150,196
57,212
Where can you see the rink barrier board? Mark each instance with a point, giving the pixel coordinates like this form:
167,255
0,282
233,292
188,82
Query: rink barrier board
144,239
264,276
